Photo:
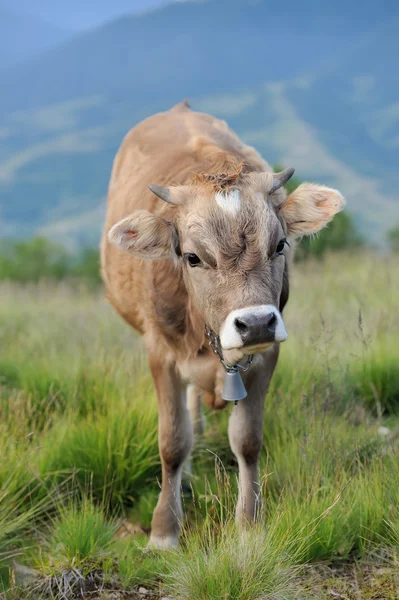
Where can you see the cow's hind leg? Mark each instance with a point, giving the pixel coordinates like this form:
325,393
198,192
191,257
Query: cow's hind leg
175,437
194,405
246,434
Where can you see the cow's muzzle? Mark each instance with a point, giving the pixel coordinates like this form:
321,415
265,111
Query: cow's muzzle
253,327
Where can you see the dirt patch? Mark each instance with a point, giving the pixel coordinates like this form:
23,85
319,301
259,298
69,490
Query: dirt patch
351,581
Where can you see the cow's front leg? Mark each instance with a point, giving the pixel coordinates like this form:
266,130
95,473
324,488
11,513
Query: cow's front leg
175,437
246,435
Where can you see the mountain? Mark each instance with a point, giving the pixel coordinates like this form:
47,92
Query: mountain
190,48
354,107
304,83
22,37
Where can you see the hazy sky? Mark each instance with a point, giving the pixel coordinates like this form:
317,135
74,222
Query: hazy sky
78,14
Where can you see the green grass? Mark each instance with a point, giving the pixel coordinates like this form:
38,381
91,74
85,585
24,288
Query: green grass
21,512
139,567
115,453
233,566
80,533
78,421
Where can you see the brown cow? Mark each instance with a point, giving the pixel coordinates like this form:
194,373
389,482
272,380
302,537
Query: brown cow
213,253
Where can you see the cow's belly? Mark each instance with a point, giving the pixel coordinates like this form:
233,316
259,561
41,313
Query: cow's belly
203,371
207,374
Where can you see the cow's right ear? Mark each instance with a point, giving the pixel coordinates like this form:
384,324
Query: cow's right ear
145,235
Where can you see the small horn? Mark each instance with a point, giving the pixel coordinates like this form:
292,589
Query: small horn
280,179
162,192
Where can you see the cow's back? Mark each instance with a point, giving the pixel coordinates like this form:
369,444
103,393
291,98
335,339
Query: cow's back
164,149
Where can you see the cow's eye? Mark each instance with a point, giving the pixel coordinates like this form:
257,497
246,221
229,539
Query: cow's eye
280,247
193,260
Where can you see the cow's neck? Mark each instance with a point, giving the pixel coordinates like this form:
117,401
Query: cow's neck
176,319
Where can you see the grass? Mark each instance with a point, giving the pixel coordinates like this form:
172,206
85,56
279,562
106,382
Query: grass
79,533
233,566
116,453
138,567
78,442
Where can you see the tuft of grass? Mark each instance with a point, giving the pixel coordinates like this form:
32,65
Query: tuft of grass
115,456
80,533
249,565
21,512
18,514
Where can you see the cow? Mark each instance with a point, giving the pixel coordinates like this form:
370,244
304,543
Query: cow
195,257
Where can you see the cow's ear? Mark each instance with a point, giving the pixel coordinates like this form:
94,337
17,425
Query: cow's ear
310,207
145,235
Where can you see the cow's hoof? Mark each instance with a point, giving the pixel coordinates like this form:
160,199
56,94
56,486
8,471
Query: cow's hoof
158,542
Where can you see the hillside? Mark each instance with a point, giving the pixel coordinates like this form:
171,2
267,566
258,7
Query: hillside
307,90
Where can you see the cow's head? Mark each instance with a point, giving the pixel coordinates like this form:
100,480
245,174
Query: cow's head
231,241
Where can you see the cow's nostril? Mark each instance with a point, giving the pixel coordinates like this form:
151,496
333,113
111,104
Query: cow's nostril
256,327
271,326
241,326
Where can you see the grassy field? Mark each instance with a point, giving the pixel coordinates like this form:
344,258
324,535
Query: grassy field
79,462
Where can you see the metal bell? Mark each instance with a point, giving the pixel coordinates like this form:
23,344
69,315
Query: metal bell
233,389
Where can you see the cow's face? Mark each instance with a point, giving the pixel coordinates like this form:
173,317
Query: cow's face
232,246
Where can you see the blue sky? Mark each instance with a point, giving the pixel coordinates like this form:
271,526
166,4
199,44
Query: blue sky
78,14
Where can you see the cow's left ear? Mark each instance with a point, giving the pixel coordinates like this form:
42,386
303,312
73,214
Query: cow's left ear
310,207
145,235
